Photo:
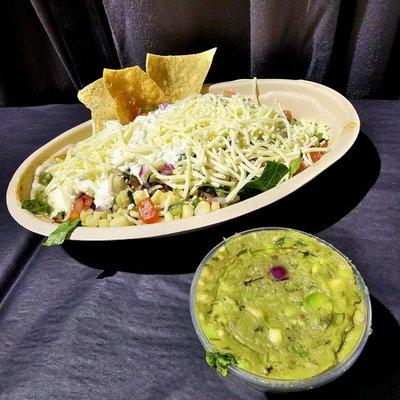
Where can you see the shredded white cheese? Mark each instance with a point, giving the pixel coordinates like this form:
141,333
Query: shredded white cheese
208,139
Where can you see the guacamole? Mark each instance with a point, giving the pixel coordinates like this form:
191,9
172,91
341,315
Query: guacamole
280,304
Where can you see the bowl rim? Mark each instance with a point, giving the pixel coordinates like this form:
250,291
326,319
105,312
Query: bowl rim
282,385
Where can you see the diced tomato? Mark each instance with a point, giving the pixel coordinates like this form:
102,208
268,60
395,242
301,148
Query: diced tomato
147,211
315,156
79,204
74,215
302,167
288,115
228,93
83,202
87,201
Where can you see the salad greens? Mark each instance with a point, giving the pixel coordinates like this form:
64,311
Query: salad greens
294,166
45,179
176,210
228,149
129,193
220,192
62,233
271,176
195,202
220,361
38,205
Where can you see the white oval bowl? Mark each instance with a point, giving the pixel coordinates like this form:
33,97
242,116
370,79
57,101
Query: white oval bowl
303,98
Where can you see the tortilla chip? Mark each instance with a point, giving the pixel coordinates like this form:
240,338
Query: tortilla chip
132,89
180,76
95,97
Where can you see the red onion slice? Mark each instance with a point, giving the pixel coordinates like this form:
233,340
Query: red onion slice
167,169
142,171
279,273
164,106
154,188
220,200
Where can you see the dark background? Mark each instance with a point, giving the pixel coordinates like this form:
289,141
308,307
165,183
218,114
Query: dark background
111,320
50,49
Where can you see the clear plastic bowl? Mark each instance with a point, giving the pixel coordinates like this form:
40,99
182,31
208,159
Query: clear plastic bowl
280,385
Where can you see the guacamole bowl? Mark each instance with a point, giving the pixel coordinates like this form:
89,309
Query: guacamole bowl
280,309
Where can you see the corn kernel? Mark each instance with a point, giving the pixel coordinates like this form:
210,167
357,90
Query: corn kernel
139,195
100,214
85,214
134,214
187,211
215,206
122,199
104,223
119,221
168,216
202,208
92,221
157,197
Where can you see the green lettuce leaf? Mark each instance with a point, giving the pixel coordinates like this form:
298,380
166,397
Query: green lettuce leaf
45,179
271,176
38,205
62,233
218,191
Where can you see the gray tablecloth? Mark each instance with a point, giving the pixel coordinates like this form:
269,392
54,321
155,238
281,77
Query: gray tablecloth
111,320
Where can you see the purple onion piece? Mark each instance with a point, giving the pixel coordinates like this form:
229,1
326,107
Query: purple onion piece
164,106
279,273
167,169
142,171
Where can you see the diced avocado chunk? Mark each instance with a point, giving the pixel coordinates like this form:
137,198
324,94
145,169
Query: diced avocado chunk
317,300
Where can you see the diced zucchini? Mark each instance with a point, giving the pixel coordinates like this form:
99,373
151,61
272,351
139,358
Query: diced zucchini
122,200
176,210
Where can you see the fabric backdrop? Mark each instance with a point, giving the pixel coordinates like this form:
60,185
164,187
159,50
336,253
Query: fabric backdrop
51,48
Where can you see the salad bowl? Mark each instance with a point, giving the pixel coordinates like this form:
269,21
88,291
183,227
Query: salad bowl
304,99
